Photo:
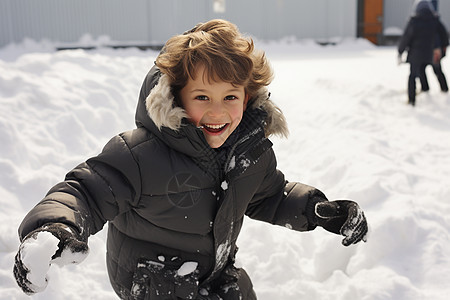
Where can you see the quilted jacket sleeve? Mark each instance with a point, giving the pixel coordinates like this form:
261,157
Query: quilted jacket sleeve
284,203
91,194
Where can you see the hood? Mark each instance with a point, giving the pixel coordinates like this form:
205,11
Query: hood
157,109
423,8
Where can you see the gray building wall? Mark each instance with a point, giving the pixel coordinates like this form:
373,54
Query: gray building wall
152,22
128,22
67,21
274,19
396,13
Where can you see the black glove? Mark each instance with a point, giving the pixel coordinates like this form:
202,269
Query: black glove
39,250
342,217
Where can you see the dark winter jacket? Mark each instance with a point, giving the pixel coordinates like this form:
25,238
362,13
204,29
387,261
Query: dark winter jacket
170,199
420,35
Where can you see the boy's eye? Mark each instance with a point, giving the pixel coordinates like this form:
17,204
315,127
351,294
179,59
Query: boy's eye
203,98
230,97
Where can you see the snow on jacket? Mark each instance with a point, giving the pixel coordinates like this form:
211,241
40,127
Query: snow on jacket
169,199
420,35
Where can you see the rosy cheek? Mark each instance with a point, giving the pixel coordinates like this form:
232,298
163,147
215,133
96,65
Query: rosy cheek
194,116
236,114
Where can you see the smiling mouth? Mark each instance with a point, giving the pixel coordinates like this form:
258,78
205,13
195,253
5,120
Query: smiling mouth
215,128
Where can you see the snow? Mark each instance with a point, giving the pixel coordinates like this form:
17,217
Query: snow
187,268
224,185
36,254
395,31
69,257
352,136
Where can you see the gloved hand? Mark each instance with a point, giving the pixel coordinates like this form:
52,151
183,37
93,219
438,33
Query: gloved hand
399,59
52,243
343,217
437,53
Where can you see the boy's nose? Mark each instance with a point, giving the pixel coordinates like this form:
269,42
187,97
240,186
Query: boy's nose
216,109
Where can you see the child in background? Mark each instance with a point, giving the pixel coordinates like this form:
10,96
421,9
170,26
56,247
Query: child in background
175,190
423,31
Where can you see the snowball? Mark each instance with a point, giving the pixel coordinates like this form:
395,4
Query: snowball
187,268
36,255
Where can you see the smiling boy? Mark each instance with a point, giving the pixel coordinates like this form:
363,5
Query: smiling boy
175,190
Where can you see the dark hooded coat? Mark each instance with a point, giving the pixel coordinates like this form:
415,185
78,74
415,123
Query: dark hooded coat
170,200
420,35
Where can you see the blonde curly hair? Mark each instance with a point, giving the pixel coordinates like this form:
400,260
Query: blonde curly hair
224,52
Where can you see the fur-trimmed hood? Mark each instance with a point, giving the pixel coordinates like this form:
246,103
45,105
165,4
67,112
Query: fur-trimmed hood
157,108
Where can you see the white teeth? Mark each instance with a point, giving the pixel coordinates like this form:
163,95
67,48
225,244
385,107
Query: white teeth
215,126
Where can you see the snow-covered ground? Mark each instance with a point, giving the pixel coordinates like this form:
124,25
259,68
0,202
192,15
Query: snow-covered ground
352,136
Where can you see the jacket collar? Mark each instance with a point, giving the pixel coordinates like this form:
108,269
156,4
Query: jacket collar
158,113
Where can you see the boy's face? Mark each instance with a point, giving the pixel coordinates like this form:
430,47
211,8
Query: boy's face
216,107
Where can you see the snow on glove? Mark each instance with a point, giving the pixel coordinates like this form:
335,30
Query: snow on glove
54,243
343,217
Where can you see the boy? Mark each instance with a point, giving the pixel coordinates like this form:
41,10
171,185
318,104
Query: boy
175,190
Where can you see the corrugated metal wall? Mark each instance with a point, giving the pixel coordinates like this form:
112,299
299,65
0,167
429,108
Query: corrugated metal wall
154,21
397,13
275,19
68,21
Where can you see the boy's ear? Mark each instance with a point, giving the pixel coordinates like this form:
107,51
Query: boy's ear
247,97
